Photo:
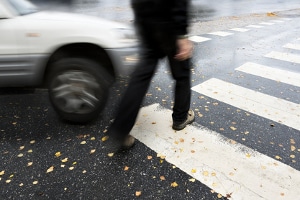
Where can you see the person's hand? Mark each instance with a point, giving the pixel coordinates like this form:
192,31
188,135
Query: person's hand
185,49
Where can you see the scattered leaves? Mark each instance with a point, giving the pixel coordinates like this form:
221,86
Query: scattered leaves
233,128
71,168
21,147
278,157
20,155
92,151
64,160
2,172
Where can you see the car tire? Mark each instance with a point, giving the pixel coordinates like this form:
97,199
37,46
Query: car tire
78,89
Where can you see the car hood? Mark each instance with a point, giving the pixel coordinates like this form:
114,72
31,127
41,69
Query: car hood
75,18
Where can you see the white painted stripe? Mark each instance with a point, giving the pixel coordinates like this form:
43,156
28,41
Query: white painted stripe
279,75
287,19
239,29
277,21
198,39
221,33
254,26
213,160
266,23
292,46
289,57
278,110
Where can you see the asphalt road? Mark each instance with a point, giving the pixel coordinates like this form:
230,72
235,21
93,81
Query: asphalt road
242,150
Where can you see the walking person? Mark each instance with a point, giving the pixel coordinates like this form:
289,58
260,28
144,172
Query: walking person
162,26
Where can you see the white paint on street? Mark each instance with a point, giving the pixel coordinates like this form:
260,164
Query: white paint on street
277,21
278,75
239,29
254,26
278,110
266,23
221,33
292,46
289,57
198,39
223,165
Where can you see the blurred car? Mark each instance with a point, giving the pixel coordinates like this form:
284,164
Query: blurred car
76,57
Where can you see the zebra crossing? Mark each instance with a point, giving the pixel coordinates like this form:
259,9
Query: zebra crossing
211,158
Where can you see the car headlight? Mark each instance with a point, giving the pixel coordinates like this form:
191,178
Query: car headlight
126,35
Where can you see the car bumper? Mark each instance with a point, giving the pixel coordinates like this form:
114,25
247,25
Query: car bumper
124,60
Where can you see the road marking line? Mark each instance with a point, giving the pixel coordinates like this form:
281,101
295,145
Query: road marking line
266,23
271,73
277,21
239,29
254,26
225,166
278,110
221,33
289,57
198,39
292,46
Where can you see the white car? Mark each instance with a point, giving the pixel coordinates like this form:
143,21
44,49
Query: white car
76,56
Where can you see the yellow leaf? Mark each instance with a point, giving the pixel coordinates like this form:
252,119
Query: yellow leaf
232,128
278,157
181,140
293,148
138,193
162,178
29,151
174,184
270,14
194,171
219,196
57,154
92,151
21,147
213,174
32,141
2,172
50,169
248,155
8,181
29,164
71,168
93,138
35,182
74,163
110,154
64,160
126,168
20,155
205,173
83,142
104,138
84,171
21,184
192,180
149,157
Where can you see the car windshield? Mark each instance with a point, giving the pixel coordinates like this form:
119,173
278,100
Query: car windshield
23,7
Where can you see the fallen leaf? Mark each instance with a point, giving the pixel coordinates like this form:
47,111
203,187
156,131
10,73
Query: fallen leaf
181,140
278,157
93,138
219,196
126,168
233,128
205,173
83,142
138,193
193,170
29,164
110,154
32,141
50,169
2,172
192,180
270,14
64,160
8,181
29,151
293,148
57,154
104,138
162,178
21,184
35,182
84,171
20,155
71,168
92,151
174,184
149,157
21,147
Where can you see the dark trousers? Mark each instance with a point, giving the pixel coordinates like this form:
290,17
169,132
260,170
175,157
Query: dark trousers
156,44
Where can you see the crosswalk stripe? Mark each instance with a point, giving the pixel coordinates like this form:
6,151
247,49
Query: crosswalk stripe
289,57
226,167
266,23
292,46
221,33
278,110
199,39
254,26
271,73
239,29
277,21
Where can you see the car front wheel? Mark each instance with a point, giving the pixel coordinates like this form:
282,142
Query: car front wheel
78,89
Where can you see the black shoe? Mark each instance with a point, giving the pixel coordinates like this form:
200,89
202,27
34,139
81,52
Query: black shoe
181,125
114,144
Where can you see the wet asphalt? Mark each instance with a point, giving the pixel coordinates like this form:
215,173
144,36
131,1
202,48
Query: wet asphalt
43,157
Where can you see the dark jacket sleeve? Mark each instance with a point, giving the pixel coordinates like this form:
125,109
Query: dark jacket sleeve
180,14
